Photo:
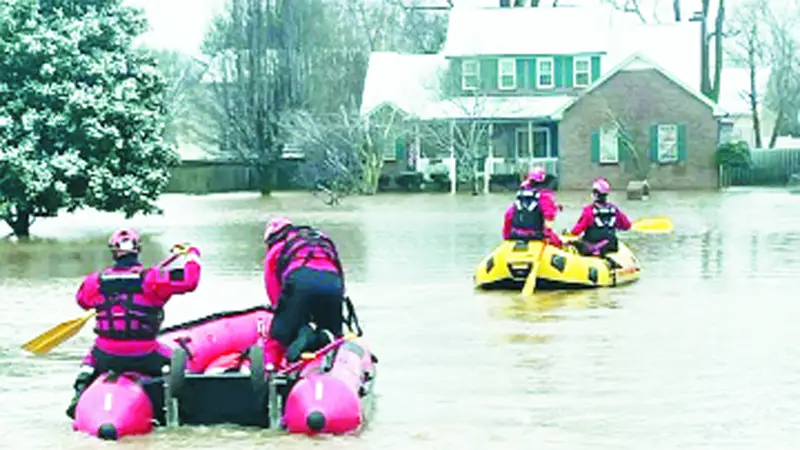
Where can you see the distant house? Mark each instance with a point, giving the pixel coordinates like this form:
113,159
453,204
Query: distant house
584,91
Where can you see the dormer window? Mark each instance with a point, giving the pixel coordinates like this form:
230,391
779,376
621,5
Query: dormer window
582,72
507,74
469,75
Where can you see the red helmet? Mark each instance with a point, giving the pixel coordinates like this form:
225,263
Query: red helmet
601,186
275,226
536,175
123,242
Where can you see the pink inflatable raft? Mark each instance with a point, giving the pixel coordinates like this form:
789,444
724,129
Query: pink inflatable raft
218,376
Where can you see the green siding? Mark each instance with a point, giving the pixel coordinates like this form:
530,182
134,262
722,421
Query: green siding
622,147
521,82
488,71
525,71
595,152
453,86
654,143
682,153
400,148
595,68
563,72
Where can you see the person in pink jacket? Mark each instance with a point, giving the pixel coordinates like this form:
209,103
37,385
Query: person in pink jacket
304,280
599,223
534,208
129,300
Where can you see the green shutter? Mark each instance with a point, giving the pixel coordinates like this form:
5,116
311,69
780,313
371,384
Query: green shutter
682,155
595,68
654,143
596,147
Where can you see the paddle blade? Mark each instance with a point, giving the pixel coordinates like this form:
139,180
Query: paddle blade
661,224
57,335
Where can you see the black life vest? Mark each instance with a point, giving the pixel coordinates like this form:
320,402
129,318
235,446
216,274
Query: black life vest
604,225
119,290
528,220
306,238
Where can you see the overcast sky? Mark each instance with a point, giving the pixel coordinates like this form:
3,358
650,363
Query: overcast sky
181,24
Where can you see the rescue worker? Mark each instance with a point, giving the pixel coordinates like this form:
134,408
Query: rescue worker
599,223
533,211
304,280
129,299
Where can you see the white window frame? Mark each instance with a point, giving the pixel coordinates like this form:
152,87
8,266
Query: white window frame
529,132
667,142
587,72
475,72
609,145
500,74
539,63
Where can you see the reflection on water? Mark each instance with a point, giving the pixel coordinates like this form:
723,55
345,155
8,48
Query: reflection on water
700,353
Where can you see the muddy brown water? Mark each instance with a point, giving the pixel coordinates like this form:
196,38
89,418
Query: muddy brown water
701,353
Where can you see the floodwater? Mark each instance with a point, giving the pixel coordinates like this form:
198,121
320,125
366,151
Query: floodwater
702,353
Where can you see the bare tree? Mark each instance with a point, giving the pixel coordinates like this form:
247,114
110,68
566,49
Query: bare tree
466,137
343,152
631,138
749,47
184,75
784,85
253,49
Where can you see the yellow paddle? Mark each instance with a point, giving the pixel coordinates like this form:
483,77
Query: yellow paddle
530,282
62,332
660,224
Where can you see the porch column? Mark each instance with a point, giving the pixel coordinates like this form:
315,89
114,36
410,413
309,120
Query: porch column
453,156
530,145
488,165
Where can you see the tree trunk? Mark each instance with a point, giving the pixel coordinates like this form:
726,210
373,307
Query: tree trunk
776,130
268,175
751,62
719,25
705,77
676,10
20,224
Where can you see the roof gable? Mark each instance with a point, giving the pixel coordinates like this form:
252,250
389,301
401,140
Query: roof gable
638,61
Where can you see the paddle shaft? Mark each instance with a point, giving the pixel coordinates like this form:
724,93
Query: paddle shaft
530,281
302,363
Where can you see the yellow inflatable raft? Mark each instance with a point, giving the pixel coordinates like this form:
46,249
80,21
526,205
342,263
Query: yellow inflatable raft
508,266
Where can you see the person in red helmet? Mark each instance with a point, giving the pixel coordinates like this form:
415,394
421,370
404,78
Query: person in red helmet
534,209
599,223
304,280
129,300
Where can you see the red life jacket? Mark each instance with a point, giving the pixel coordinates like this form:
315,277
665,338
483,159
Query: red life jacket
119,289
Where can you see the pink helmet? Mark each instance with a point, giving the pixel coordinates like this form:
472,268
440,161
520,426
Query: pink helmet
601,186
123,242
536,175
275,225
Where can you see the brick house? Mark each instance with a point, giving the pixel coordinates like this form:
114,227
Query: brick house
639,122
552,101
